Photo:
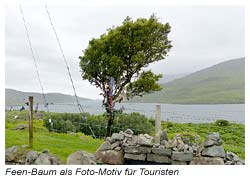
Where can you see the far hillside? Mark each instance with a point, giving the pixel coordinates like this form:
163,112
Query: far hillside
14,97
223,83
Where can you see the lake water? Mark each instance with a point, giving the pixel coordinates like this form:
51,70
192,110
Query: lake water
169,112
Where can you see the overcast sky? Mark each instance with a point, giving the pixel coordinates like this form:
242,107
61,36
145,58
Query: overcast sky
201,36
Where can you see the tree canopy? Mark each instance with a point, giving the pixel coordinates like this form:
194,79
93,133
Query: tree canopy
123,53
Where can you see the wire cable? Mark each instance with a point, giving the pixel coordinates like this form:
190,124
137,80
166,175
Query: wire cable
34,59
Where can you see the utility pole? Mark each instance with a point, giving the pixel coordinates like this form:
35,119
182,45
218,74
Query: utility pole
31,121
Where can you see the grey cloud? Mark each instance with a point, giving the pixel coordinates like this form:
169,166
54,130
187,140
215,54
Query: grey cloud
201,36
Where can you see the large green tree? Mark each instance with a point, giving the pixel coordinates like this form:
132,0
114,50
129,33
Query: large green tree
121,55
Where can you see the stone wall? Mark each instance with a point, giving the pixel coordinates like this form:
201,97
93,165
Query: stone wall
19,155
127,148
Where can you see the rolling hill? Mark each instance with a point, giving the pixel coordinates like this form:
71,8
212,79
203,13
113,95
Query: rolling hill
14,97
223,83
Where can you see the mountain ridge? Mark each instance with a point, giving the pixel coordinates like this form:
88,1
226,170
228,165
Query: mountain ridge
16,97
222,83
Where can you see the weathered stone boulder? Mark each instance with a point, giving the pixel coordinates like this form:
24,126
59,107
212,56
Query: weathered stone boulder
137,150
212,139
31,156
11,153
181,156
22,127
116,137
132,141
129,131
158,158
233,159
138,157
110,157
81,158
145,140
207,161
105,146
179,162
160,151
214,151
115,144
46,159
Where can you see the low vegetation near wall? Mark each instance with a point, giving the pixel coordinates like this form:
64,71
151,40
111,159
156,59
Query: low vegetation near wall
16,129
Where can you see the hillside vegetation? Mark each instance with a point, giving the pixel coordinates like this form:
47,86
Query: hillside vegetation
223,83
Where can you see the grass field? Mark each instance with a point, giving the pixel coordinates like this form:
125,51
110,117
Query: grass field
59,144
62,145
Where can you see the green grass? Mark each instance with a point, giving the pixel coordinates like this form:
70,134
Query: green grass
62,145
59,144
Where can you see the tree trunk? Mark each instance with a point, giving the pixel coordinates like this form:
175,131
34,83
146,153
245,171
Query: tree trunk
110,123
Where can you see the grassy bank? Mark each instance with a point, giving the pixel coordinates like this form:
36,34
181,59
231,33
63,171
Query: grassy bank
59,144
63,144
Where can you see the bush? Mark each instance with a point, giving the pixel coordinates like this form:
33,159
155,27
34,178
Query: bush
63,122
221,122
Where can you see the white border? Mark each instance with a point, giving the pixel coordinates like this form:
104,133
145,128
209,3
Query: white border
194,172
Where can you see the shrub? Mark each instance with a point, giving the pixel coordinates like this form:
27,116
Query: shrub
221,122
63,122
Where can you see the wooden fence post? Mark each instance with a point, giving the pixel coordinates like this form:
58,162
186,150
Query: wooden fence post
31,121
158,118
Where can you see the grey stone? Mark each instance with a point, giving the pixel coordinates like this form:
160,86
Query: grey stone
179,163
54,160
148,136
158,158
132,141
129,131
207,161
105,146
116,137
164,136
139,157
11,153
164,143
118,148
212,139
81,158
127,135
159,151
43,159
110,157
22,127
157,138
137,150
181,156
231,157
239,163
229,163
108,139
162,147
31,156
145,140
172,144
115,144
156,145
180,146
214,151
